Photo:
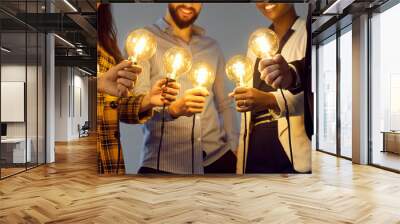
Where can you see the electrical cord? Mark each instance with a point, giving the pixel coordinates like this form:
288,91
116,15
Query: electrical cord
117,135
289,131
162,133
192,138
244,142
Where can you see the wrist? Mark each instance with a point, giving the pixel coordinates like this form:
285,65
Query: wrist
146,104
264,101
271,102
267,101
173,109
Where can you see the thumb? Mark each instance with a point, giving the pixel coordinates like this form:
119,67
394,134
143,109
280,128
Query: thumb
279,59
123,64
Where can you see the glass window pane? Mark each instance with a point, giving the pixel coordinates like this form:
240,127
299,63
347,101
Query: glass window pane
327,96
346,94
14,153
31,98
385,84
41,98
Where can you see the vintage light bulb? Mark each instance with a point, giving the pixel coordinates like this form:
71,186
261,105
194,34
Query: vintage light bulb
140,45
239,69
202,75
177,61
264,43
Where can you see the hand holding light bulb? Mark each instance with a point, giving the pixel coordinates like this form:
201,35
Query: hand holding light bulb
118,80
177,61
191,103
201,75
161,93
140,45
252,99
276,72
239,69
274,69
194,99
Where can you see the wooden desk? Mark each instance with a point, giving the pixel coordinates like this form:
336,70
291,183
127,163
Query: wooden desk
391,141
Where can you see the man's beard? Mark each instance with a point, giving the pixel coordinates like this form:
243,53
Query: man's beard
181,23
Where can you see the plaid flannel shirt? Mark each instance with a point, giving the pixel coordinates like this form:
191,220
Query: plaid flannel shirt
110,110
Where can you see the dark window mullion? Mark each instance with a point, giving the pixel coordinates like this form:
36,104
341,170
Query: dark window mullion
317,96
338,93
0,96
26,87
37,90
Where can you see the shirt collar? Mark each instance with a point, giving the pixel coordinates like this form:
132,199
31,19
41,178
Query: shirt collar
292,27
164,26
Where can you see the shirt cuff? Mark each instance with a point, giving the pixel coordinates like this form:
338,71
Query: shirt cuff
129,110
167,115
281,104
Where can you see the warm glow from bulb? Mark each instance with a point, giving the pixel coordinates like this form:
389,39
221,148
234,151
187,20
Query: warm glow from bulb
239,69
264,43
177,61
202,75
140,45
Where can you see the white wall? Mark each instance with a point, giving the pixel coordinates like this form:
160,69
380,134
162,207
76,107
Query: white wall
70,83
16,73
33,127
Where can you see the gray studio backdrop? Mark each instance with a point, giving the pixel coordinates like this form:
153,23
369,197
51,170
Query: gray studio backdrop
229,23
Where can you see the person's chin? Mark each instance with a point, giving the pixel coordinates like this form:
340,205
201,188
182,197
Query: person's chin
269,16
185,19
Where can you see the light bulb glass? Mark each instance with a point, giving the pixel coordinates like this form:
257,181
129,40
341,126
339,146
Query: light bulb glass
264,43
202,75
140,45
177,61
239,69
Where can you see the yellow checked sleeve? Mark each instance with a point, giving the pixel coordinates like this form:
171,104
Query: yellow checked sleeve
129,110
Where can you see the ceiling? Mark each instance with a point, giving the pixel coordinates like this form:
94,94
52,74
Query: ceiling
22,20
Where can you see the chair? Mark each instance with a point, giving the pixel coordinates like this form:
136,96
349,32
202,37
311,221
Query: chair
84,130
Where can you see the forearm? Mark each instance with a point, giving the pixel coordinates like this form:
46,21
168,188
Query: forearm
129,110
268,101
146,104
170,113
295,103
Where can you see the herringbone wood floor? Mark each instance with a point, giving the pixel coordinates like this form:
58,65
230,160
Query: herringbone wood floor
70,191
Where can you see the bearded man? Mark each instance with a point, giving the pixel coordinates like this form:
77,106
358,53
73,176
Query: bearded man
216,132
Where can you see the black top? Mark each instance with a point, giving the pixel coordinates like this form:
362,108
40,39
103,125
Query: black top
266,154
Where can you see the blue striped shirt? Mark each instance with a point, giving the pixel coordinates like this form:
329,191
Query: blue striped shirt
217,128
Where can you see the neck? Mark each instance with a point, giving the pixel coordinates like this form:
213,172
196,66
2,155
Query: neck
282,24
185,33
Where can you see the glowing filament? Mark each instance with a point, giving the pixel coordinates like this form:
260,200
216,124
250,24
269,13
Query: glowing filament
176,61
140,45
202,76
239,71
263,45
